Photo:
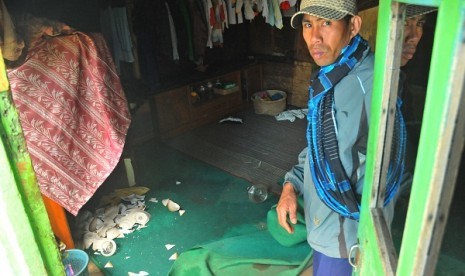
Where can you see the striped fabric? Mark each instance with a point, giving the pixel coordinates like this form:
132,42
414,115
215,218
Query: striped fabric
74,115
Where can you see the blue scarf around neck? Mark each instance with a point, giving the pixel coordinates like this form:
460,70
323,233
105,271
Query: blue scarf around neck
333,186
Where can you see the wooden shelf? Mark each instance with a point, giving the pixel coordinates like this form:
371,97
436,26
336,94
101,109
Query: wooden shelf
175,111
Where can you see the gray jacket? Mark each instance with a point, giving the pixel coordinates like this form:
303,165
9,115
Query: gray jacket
327,231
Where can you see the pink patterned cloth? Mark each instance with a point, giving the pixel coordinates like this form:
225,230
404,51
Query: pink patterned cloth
74,115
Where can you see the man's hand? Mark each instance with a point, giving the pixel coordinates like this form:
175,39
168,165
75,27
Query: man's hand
287,205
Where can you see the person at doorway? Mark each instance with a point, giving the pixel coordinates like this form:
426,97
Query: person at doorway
331,170
412,106
413,30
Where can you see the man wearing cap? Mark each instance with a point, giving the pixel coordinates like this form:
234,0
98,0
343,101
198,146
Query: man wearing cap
331,170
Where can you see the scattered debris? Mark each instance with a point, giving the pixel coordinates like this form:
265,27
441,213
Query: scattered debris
171,205
140,273
115,197
169,246
231,119
98,230
178,182
181,212
133,198
174,256
153,199
108,265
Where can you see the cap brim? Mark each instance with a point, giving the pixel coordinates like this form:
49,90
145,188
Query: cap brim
414,10
321,12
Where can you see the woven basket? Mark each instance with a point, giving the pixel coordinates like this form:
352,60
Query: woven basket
269,107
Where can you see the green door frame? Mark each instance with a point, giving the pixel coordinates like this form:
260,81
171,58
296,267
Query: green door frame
27,243
440,147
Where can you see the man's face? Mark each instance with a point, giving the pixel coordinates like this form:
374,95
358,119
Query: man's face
413,30
326,38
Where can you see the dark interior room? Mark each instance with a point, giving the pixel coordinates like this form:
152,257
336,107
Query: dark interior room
195,137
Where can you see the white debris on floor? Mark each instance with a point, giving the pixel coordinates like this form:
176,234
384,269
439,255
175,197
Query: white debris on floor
171,205
174,256
169,246
108,265
122,213
140,273
99,229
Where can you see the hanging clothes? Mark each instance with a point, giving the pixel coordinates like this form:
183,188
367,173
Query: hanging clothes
115,27
234,11
200,28
217,21
182,23
174,39
278,23
249,14
145,15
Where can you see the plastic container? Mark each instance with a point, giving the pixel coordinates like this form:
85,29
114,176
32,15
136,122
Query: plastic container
75,262
264,104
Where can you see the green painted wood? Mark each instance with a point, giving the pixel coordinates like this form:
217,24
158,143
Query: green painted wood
441,108
28,240
375,258
19,247
431,3
435,143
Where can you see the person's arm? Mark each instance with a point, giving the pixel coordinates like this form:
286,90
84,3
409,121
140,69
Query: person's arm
287,205
296,174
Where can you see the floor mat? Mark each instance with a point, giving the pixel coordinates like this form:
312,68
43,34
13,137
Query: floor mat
216,205
260,150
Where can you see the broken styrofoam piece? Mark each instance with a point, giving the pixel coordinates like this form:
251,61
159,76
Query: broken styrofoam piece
140,273
103,232
140,217
122,208
153,199
135,209
169,246
171,205
174,256
134,198
88,239
110,222
139,205
114,233
95,224
106,247
181,212
132,208
126,222
100,212
126,231
110,212
108,265
178,182
140,226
